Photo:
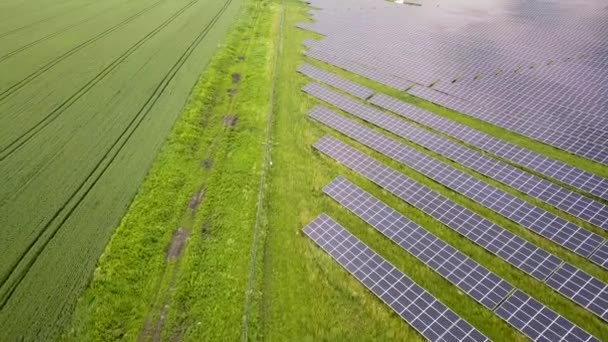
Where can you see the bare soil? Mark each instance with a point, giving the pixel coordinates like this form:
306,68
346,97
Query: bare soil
230,120
177,243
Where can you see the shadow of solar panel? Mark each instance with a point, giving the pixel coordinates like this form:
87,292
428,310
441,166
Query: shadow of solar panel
538,322
581,288
550,193
551,168
535,219
570,144
520,253
336,81
415,305
469,276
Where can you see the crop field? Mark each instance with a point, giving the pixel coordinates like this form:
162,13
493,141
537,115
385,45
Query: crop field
89,90
149,202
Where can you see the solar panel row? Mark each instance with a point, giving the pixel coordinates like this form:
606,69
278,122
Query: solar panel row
561,121
422,310
397,67
331,49
552,168
537,220
558,88
360,69
358,45
469,276
575,102
431,318
600,256
425,45
509,122
336,81
538,322
582,289
553,194
522,254
310,43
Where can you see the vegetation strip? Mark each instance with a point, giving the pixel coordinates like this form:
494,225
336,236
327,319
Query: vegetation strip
261,191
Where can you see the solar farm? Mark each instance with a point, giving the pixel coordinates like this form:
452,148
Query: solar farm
532,68
359,170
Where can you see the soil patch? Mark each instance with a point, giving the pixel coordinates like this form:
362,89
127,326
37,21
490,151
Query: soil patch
205,228
196,200
230,120
236,78
207,164
177,244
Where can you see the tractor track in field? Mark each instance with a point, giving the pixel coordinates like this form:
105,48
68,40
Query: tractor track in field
7,290
15,87
14,145
49,36
7,33
152,329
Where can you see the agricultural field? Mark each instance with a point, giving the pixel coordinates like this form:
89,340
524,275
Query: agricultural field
189,224
89,91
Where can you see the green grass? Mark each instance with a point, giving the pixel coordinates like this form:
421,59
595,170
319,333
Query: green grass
84,107
299,292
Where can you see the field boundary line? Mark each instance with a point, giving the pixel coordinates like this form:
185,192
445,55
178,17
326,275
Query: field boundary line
261,191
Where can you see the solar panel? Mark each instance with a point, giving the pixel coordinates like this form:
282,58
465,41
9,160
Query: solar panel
538,322
336,81
536,219
518,252
553,194
362,70
552,110
600,256
508,121
581,288
414,304
309,43
552,168
469,276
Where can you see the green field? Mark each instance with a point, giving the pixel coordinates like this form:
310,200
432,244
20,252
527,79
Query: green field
89,92
241,147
